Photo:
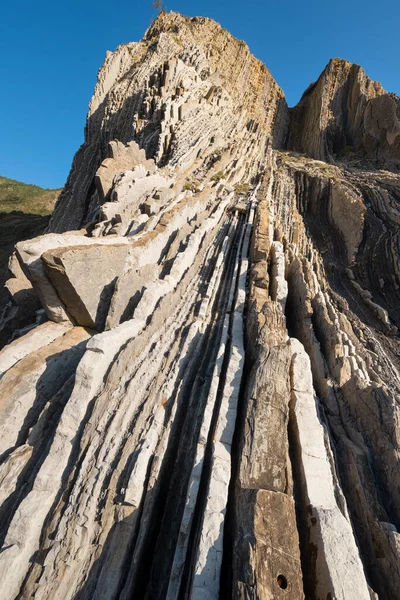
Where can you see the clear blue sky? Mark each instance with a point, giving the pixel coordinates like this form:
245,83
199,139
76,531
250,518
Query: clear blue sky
51,52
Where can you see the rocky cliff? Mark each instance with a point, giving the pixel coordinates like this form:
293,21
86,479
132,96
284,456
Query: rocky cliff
345,112
211,409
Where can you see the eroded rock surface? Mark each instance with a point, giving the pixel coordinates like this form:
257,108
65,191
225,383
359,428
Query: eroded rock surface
84,277
211,409
345,111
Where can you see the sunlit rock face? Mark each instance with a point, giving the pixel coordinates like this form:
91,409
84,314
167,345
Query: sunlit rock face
207,404
345,111
186,89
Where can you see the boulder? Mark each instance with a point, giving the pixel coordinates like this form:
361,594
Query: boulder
85,277
29,255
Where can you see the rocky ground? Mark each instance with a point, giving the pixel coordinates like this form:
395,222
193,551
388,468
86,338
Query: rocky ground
211,408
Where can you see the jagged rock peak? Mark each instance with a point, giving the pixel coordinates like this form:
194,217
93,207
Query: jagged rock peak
186,89
346,111
184,66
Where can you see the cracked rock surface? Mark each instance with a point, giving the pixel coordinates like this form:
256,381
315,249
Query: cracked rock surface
207,404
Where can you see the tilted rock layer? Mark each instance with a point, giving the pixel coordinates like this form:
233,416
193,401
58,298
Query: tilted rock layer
207,405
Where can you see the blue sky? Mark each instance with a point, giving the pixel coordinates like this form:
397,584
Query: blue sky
51,53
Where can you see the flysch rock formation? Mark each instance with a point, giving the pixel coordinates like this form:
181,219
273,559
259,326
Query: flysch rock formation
207,404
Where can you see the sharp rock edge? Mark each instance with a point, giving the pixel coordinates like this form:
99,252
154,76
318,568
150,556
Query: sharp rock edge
208,404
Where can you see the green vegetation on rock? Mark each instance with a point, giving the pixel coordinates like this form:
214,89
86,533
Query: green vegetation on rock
29,199
24,213
242,188
218,176
190,186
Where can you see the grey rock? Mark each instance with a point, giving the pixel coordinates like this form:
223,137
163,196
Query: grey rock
85,277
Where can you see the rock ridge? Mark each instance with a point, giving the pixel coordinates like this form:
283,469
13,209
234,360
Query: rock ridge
207,403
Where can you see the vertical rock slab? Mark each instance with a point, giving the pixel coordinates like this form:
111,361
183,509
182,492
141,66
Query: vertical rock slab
347,211
264,452
334,567
267,555
279,286
266,543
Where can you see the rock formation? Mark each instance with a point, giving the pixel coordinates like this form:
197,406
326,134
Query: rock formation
211,409
346,111
24,213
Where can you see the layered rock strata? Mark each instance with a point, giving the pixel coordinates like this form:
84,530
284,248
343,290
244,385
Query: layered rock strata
345,111
178,93
211,409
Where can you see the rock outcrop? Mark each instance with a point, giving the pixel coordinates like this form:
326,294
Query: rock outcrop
346,112
211,409
178,93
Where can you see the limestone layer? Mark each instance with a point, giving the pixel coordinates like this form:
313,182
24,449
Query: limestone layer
207,404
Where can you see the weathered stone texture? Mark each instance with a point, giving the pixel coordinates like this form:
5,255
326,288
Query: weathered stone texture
211,409
84,277
346,111
266,554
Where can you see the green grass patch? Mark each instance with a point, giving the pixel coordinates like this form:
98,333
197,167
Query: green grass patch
346,152
29,199
189,186
218,176
242,188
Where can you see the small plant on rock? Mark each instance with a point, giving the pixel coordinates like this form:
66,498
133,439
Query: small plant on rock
218,176
347,152
242,188
190,186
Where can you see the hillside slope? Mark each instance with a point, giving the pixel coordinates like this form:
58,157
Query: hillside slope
26,198
24,213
